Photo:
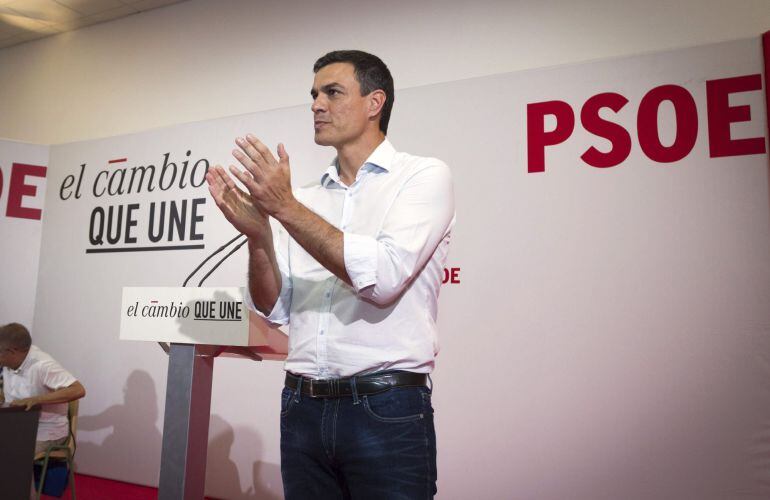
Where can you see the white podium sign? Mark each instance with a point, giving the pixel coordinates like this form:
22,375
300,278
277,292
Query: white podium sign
215,316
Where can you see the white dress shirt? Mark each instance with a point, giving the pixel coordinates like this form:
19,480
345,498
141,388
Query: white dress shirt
396,218
39,374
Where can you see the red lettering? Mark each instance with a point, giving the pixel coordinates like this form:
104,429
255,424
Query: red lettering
538,138
451,275
766,54
721,115
686,123
595,124
17,189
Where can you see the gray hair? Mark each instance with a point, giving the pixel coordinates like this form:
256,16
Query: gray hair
15,335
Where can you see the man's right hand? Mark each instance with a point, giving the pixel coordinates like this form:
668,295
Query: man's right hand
27,403
236,205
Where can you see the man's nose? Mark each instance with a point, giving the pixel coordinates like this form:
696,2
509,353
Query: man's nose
318,105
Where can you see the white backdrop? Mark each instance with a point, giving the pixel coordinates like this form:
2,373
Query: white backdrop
608,337
20,227
202,59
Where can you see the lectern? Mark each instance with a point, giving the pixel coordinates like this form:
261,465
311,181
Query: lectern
194,326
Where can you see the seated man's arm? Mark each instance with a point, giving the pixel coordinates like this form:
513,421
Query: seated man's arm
64,395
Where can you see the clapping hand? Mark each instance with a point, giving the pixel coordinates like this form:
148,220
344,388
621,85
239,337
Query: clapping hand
268,184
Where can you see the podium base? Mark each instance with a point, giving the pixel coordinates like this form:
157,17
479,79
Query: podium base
186,423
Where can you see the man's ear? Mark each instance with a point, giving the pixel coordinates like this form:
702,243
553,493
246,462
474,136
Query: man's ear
376,102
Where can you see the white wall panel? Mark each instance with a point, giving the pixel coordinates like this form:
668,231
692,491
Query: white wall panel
608,337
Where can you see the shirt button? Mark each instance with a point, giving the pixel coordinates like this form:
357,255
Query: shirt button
321,332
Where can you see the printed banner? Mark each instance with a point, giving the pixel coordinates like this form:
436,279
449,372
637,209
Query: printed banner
604,321
23,169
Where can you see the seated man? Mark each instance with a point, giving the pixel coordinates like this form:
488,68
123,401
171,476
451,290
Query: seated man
32,377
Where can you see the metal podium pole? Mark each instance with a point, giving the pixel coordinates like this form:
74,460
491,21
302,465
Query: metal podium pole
186,424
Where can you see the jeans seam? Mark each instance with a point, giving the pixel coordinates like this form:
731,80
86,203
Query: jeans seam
427,454
334,427
288,405
324,443
298,390
430,465
390,420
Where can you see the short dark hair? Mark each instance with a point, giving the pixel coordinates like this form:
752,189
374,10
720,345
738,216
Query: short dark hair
372,74
15,335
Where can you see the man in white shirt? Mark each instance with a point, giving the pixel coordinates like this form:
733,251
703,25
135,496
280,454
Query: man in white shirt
31,377
356,272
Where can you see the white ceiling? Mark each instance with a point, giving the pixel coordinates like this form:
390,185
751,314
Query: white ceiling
25,20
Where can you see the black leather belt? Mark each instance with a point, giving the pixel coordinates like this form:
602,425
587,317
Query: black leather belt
366,384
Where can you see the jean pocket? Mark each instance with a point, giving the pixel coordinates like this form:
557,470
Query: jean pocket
396,405
287,401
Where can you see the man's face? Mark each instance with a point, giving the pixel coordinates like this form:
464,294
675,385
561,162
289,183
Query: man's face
340,112
10,357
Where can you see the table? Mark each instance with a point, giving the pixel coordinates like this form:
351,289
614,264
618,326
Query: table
18,430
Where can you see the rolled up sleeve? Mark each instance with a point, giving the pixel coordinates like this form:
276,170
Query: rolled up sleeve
419,218
54,377
360,254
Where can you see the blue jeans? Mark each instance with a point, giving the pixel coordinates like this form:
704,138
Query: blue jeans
380,446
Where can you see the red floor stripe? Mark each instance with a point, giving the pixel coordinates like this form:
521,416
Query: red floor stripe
98,488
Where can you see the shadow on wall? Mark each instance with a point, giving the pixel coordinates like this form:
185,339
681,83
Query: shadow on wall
200,331
132,452
222,477
135,434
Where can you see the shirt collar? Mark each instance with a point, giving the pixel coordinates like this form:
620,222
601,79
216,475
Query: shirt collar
27,360
381,160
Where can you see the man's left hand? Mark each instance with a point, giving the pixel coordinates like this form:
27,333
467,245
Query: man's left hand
268,179
28,403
